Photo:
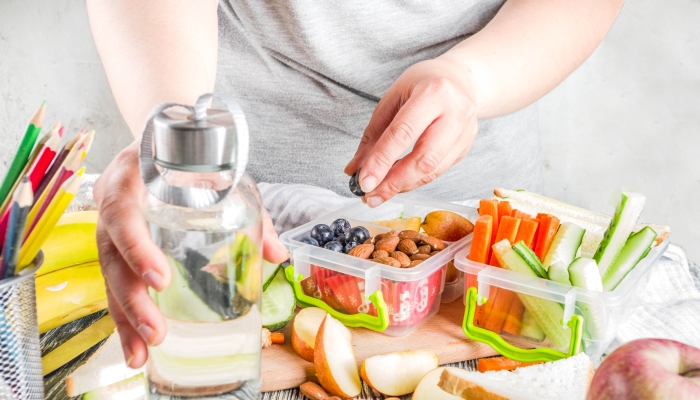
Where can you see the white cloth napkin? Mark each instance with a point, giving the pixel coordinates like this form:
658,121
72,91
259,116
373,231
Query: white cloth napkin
668,307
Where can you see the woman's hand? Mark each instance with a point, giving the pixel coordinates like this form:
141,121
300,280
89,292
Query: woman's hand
431,105
131,261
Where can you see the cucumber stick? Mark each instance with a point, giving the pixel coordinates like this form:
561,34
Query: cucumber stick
269,270
529,328
548,314
636,248
584,274
621,225
558,273
565,245
278,303
530,259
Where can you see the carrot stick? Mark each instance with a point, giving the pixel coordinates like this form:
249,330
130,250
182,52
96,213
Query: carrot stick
507,229
514,318
481,244
521,215
499,310
501,363
526,232
504,208
277,337
490,207
547,229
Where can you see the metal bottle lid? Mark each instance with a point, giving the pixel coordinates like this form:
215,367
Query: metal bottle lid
185,144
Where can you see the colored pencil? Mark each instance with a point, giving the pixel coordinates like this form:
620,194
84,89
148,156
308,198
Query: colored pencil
70,165
32,244
47,153
23,153
21,203
58,162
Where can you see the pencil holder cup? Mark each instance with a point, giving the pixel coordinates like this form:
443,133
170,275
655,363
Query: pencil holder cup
20,352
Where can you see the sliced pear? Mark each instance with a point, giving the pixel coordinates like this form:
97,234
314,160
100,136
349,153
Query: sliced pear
401,224
334,360
397,374
428,388
304,330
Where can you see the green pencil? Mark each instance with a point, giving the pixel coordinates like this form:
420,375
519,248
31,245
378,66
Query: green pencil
23,153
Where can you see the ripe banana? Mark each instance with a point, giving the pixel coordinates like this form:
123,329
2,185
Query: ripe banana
78,344
71,242
68,294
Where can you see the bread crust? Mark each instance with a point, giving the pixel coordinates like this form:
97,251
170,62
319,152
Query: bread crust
465,389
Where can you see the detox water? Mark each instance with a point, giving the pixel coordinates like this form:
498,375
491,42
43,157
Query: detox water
212,304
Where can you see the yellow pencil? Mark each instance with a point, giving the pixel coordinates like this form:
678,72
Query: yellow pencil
48,220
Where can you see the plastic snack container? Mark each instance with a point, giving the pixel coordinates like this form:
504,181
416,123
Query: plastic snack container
363,293
589,319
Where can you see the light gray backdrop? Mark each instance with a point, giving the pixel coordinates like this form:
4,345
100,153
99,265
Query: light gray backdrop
629,118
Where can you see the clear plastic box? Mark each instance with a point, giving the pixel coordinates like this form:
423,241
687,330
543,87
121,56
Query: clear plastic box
601,313
346,286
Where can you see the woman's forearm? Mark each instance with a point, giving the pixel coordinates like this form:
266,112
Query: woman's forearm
528,48
155,51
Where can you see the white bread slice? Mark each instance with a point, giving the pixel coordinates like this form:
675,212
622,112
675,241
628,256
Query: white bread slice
594,223
105,367
565,379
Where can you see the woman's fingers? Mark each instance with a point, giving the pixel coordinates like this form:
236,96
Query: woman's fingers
121,217
129,291
273,250
135,350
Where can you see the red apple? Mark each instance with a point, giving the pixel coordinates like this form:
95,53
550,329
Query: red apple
648,369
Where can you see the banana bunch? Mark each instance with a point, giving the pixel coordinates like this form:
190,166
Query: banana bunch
70,286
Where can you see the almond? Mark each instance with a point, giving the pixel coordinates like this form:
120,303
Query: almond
379,254
369,241
401,258
313,391
386,235
388,261
424,249
434,243
420,257
414,263
432,253
412,235
407,246
362,250
389,244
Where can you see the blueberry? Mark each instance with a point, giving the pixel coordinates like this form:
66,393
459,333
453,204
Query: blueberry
310,240
334,246
357,234
340,239
340,226
322,233
355,185
349,246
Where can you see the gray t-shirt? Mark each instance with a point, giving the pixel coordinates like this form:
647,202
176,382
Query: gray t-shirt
309,74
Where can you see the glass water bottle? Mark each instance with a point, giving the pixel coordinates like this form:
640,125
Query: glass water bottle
204,212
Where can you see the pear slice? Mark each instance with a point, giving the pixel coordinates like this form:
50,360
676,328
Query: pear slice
334,359
397,374
304,330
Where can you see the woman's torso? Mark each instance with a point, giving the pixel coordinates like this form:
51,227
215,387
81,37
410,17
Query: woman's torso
309,74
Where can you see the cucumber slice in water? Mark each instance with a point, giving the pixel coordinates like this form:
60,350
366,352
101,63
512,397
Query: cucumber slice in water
621,225
179,301
269,270
583,273
529,328
636,248
530,259
278,303
564,246
558,273
548,314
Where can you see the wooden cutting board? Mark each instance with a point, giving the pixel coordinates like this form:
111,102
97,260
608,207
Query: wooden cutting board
282,368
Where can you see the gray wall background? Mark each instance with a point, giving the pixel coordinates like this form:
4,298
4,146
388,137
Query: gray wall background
629,118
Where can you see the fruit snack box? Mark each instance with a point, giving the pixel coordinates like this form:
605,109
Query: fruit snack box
361,288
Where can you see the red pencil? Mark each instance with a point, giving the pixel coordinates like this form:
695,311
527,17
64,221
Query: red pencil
58,162
44,159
